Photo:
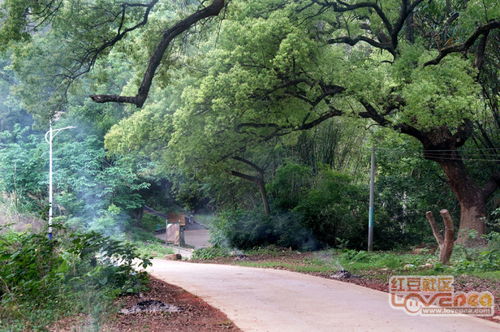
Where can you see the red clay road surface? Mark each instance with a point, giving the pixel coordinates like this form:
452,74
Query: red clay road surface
266,300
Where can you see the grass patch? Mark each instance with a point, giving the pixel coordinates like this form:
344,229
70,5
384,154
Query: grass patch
377,265
153,249
266,251
288,266
209,253
356,261
147,244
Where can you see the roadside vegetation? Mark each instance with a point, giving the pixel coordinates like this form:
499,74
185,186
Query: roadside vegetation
258,117
44,280
482,262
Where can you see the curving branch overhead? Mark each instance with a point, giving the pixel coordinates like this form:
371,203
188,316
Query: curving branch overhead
154,61
483,30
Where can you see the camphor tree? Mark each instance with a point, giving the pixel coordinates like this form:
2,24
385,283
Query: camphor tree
428,87
410,66
421,68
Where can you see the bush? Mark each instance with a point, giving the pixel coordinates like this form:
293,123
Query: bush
250,229
334,208
478,259
55,277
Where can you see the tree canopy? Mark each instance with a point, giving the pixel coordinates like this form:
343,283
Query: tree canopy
209,89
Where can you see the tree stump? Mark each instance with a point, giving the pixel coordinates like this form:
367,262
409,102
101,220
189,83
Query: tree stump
446,243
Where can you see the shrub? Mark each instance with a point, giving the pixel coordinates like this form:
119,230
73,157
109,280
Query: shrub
250,229
479,259
335,208
41,279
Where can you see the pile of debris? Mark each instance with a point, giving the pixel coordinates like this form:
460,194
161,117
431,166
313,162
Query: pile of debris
343,274
150,306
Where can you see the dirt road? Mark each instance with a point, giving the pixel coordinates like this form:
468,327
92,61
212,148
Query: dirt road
281,301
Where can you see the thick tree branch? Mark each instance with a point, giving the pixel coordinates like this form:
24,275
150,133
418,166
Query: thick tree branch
323,117
247,177
251,164
406,10
342,6
258,180
355,40
464,47
242,125
445,244
393,31
90,57
372,113
481,49
280,130
168,36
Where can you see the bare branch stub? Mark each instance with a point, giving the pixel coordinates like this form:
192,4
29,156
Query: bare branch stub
154,61
449,234
434,227
445,244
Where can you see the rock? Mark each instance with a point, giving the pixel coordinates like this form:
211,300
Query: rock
408,267
174,257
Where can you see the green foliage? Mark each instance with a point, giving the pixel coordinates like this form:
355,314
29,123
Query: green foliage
463,261
249,229
334,208
144,239
22,159
93,191
244,88
407,186
478,259
271,250
289,185
210,253
47,275
442,95
353,260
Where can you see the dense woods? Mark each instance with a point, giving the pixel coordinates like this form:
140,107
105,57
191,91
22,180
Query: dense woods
260,113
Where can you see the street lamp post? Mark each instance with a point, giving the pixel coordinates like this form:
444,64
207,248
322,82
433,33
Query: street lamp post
49,138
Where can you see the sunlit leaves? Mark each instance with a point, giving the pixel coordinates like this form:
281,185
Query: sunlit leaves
443,95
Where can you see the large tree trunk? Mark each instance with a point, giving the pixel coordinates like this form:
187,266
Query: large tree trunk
472,202
441,145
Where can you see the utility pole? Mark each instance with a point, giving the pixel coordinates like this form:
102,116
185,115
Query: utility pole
371,209
51,198
49,138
